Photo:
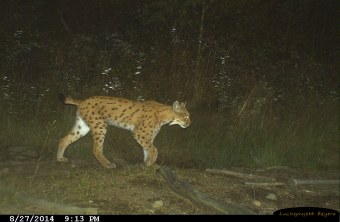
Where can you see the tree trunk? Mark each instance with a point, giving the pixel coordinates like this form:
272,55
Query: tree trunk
199,87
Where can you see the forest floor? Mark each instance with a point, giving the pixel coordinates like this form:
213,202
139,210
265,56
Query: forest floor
140,190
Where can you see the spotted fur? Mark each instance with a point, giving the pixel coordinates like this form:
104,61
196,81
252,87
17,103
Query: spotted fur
143,119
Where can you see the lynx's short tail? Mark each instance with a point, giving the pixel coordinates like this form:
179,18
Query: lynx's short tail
68,100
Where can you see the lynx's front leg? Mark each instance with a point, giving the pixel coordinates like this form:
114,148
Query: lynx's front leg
145,138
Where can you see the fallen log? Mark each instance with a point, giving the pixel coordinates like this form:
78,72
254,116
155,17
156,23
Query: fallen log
23,198
254,184
197,197
297,182
240,175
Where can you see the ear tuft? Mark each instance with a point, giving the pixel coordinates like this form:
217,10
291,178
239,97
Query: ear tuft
176,106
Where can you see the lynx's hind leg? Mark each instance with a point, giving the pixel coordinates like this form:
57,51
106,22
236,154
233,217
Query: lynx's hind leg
79,130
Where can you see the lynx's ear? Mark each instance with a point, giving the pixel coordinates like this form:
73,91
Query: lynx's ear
176,107
183,104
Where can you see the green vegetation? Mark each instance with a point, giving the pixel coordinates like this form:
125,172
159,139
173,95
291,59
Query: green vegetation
307,138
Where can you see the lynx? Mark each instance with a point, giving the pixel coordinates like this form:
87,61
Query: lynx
143,119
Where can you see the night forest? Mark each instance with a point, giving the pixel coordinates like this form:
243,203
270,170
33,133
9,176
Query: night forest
260,78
